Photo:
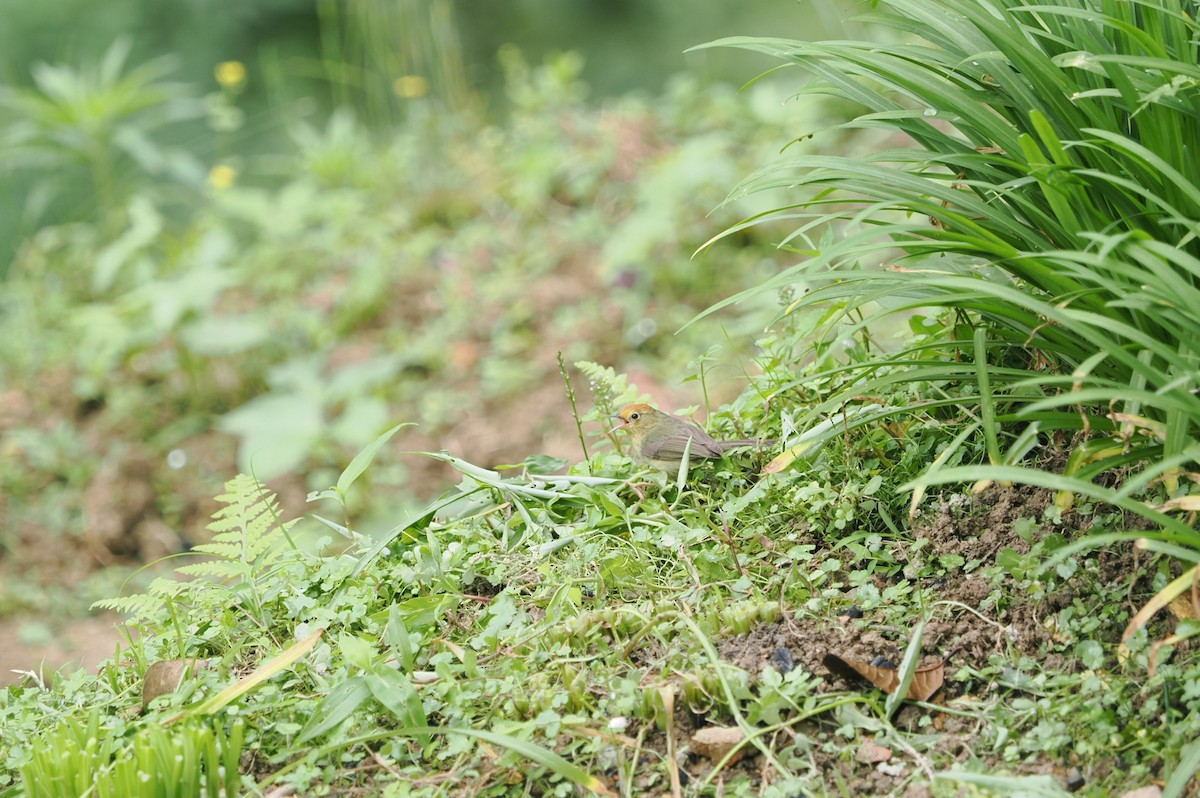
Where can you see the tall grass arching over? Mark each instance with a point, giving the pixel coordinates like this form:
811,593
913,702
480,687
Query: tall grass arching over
1045,185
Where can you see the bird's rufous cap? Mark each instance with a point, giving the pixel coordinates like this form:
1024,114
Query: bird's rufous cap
628,410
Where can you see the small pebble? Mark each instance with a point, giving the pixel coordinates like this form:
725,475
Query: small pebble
1075,780
714,742
783,660
1153,791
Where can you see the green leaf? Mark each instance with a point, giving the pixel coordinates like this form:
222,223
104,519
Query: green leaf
363,459
543,464
907,670
145,225
214,336
1091,654
339,704
397,638
356,651
360,421
1026,786
1184,771
397,694
278,432
423,612
260,674
611,503
529,750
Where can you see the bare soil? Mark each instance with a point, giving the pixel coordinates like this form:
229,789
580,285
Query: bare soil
82,643
984,621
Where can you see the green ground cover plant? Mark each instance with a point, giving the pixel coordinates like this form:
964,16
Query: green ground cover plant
991,495
581,631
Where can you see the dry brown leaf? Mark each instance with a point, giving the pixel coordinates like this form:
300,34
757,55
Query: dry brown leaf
1179,587
714,742
1183,607
926,681
166,675
1156,647
1152,429
1188,504
667,694
783,461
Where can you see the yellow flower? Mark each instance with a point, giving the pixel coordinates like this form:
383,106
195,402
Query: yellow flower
222,176
230,74
410,86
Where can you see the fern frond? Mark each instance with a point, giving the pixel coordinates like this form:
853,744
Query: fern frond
609,389
247,531
248,537
141,605
217,570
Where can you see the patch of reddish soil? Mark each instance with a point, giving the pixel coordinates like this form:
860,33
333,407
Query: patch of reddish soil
82,643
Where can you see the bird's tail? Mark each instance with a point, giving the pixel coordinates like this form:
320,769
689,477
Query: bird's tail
760,443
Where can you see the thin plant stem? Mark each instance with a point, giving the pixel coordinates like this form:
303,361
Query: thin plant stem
562,369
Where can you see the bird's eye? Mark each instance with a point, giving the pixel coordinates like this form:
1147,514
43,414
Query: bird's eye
633,416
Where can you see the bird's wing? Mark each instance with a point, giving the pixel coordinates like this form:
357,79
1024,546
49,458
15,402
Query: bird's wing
703,445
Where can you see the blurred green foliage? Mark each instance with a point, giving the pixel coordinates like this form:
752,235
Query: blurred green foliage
431,276
634,44
385,61
273,231
88,136
66,54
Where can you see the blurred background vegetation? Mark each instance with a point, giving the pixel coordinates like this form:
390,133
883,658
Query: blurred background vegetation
304,59
257,238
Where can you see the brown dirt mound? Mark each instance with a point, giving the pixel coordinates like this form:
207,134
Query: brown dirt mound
977,618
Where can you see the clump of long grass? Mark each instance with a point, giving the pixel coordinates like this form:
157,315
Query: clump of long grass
1044,187
79,758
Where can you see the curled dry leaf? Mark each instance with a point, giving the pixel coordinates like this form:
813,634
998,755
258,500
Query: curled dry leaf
165,676
926,681
714,742
1187,504
1189,580
1151,429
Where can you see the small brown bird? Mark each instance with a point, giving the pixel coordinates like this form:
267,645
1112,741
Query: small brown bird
659,439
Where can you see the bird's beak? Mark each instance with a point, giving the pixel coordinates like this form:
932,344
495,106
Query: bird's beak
622,425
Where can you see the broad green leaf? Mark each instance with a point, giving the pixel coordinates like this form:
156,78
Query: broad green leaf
397,638
396,692
339,704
